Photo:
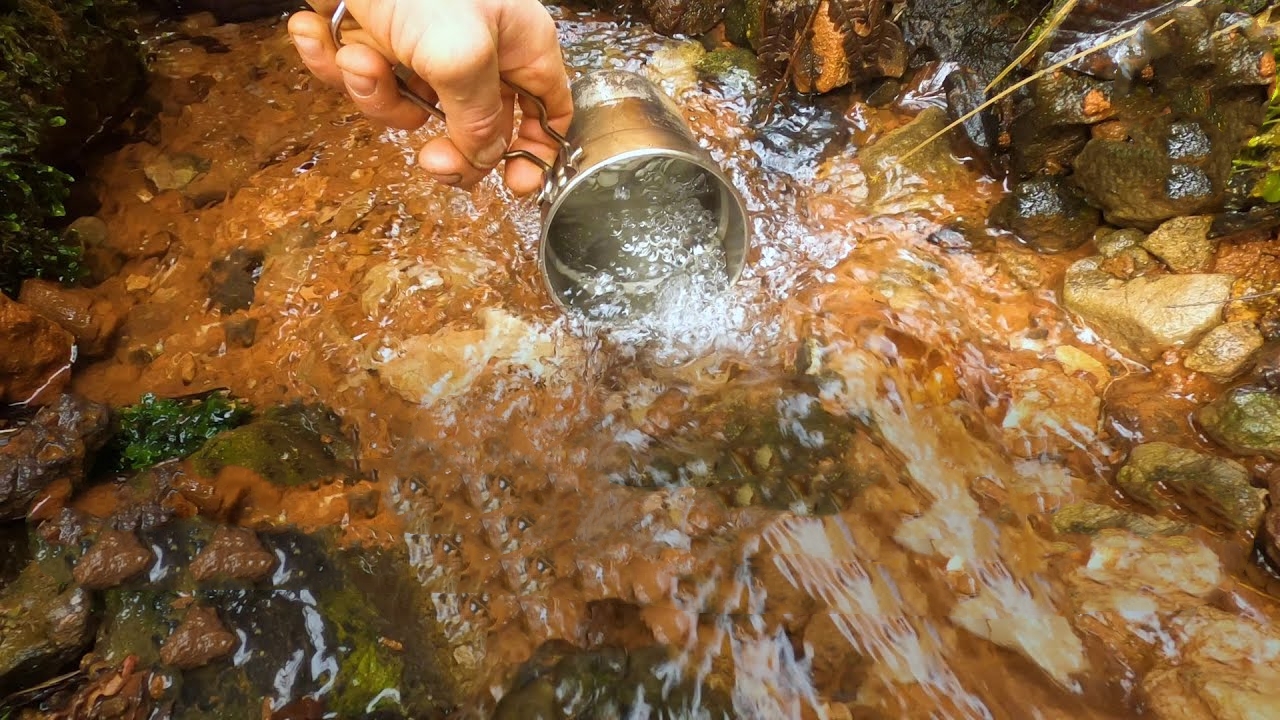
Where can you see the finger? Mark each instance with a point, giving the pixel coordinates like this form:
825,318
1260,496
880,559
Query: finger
371,83
442,159
458,57
310,35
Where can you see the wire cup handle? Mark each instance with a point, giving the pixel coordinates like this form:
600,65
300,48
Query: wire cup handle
551,174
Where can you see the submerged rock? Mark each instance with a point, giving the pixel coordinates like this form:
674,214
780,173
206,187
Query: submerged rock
1228,667
233,280
1226,351
1214,489
198,641
289,446
1183,243
58,443
898,184
1091,518
561,681
1048,215
1244,420
35,355
45,626
1146,315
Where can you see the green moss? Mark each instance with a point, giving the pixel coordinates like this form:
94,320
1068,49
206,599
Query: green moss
156,430
52,67
289,446
719,65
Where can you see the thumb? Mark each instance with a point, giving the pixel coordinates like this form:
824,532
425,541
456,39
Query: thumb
458,57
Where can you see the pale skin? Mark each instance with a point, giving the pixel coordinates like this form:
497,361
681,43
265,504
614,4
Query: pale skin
460,50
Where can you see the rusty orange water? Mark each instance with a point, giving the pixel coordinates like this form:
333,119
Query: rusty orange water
518,447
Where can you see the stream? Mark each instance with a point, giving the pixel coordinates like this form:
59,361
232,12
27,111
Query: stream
843,489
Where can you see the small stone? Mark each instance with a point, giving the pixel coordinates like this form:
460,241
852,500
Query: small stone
233,280
1111,243
1245,420
1146,315
1226,351
198,641
114,558
1211,487
137,283
241,331
35,355
233,553
1183,243
175,172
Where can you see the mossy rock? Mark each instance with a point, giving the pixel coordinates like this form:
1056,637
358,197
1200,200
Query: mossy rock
358,618
1245,420
289,446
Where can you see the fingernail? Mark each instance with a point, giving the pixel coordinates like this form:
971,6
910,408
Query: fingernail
450,179
307,45
359,85
489,156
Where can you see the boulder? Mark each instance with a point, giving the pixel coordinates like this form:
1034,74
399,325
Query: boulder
899,184
1048,215
1146,315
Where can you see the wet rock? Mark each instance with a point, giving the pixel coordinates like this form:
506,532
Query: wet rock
1244,420
58,443
903,184
288,446
1267,369
561,681
1183,243
91,321
1048,215
1228,667
674,67
46,624
1091,518
1226,351
1214,489
737,68
101,259
198,641
1122,253
846,41
115,558
233,279
35,355
175,172
1146,315
980,34
234,553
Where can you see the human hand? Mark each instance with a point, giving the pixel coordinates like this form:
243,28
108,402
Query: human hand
460,52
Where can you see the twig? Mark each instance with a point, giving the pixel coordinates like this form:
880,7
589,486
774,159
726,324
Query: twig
1036,76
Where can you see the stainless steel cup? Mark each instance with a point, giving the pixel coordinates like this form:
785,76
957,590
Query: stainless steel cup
627,160
626,133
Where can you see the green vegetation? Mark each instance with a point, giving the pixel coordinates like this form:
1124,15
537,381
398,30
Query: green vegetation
1261,155
156,430
49,55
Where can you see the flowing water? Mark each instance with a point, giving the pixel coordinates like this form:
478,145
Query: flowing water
827,488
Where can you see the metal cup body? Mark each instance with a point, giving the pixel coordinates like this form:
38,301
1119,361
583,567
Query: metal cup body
624,126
